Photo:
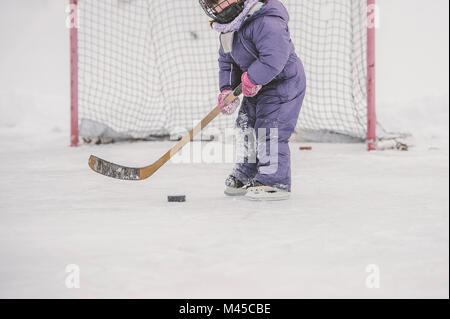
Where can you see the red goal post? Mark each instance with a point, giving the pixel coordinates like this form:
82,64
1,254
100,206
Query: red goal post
74,133
371,68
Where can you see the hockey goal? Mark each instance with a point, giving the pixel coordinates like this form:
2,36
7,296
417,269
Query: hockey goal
145,68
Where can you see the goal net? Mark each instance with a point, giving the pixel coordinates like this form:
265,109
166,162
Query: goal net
143,68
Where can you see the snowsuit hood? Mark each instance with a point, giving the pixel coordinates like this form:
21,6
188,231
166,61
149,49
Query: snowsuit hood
272,8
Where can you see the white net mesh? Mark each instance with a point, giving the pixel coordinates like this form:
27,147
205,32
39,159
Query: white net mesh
149,67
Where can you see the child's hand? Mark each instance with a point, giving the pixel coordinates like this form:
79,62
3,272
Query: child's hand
248,88
229,108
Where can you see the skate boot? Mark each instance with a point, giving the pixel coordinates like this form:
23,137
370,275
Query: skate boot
257,191
234,187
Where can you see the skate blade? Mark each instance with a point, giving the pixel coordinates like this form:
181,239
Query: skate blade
235,192
267,199
266,193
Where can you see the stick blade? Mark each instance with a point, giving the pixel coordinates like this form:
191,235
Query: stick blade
112,170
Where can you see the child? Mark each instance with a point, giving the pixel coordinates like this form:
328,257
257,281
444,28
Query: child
256,49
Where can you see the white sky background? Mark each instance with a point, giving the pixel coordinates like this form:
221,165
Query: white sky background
412,54
412,49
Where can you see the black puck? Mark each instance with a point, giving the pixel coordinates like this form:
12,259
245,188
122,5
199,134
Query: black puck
176,199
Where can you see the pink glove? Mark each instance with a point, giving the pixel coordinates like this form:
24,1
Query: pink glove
229,108
248,88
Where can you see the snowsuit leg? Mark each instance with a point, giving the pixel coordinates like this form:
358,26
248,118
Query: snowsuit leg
275,123
246,157
265,125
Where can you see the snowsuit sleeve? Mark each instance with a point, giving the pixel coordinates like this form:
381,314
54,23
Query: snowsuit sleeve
230,73
272,40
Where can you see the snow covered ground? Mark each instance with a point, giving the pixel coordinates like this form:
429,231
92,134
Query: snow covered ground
350,211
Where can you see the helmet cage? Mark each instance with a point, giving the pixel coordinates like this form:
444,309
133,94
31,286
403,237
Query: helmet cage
221,11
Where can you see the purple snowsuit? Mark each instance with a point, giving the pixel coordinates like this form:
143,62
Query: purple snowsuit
263,48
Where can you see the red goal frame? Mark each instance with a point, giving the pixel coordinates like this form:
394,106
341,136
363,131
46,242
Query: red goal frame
74,134
371,94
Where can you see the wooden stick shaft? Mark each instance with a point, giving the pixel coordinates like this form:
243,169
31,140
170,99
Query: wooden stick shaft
149,171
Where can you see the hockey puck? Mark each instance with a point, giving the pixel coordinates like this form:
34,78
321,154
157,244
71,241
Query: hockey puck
176,199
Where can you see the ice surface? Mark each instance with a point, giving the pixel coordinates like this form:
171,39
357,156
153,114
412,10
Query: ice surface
349,209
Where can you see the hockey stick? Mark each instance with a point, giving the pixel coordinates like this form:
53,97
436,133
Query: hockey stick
135,174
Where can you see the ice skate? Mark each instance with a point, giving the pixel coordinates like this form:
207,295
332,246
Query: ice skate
234,187
259,192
